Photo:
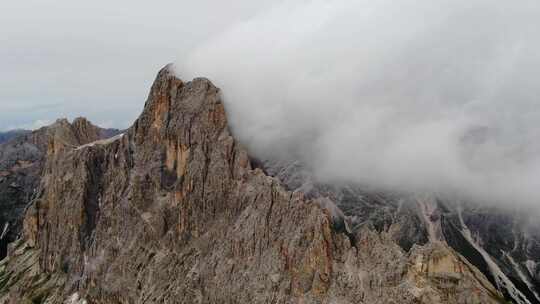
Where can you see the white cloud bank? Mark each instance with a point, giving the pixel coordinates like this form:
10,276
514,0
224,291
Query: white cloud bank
429,95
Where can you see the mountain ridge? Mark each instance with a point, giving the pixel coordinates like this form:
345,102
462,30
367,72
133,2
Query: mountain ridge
22,159
174,211
498,241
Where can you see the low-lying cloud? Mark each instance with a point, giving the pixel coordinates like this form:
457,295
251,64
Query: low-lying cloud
423,95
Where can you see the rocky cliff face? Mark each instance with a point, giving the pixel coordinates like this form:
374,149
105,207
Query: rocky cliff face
22,159
173,211
503,244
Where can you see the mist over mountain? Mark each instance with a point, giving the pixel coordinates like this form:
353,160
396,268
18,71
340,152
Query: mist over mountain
174,210
436,96
300,151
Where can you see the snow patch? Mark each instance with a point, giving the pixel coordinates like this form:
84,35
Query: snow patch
532,266
4,231
75,299
101,142
501,279
522,276
428,208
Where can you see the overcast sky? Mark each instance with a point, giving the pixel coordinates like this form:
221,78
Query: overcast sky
64,58
425,95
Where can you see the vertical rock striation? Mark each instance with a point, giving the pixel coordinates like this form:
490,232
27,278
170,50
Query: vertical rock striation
22,159
174,212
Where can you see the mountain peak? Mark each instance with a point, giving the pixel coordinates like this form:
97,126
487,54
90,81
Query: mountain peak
174,213
175,107
63,134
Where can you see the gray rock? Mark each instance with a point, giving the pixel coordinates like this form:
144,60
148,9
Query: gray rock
22,159
174,212
507,238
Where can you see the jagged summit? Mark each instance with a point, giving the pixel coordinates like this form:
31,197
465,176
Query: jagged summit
22,160
173,212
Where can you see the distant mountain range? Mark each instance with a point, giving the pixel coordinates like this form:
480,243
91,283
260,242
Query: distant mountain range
8,135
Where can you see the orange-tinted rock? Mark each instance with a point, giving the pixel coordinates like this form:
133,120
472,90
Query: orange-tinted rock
173,212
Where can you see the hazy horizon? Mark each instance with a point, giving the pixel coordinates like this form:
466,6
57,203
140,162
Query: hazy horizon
97,59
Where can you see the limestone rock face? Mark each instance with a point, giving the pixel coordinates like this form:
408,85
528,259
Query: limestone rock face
22,159
503,244
174,212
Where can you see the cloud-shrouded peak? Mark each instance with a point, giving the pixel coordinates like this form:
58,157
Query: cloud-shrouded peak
438,96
